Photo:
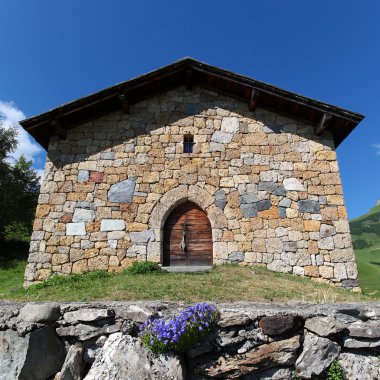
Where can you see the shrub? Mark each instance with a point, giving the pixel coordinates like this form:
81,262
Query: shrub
179,334
142,267
359,244
335,372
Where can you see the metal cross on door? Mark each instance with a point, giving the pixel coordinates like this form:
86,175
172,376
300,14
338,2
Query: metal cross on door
187,237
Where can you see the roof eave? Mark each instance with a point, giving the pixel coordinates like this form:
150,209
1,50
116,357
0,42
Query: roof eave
203,71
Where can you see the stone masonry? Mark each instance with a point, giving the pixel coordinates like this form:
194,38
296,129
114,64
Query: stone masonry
270,187
93,341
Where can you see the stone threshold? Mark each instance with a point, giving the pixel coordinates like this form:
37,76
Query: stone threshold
188,269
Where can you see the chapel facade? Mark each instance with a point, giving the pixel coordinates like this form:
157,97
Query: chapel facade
191,165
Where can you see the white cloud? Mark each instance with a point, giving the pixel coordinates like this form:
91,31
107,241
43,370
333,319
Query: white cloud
377,147
40,173
10,115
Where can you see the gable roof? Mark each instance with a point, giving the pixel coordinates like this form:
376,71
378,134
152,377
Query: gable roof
188,71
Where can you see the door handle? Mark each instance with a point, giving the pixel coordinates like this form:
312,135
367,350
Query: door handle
182,244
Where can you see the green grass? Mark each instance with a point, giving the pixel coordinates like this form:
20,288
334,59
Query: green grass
368,261
222,284
365,232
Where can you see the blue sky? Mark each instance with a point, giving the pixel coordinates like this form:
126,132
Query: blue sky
56,51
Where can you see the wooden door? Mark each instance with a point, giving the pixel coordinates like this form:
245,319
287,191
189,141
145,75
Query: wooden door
187,237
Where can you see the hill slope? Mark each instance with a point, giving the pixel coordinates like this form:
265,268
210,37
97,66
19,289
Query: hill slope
365,232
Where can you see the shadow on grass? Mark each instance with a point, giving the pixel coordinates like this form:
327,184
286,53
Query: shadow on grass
12,251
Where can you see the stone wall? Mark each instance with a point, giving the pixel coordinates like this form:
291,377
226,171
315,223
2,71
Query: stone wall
95,341
269,186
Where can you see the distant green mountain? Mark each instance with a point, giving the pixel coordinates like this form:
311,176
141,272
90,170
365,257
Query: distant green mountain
365,232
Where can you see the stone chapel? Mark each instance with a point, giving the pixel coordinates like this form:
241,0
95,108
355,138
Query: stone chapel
192,165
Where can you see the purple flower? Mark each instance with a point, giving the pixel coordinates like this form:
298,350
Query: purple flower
179,333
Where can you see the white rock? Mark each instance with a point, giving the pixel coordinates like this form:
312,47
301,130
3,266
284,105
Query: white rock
363,367
326,243
340,272
279,266
221,137
230,124
87,315
112,225
75,229
216,147
317,354
83,215
293,184
124,357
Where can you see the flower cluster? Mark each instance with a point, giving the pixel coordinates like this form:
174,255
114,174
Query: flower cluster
181,332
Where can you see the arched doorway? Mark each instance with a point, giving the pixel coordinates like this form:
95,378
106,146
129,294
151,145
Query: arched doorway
187,237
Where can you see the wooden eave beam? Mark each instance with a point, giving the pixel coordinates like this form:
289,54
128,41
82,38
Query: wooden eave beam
253,100
189,79
323,123
125,106
57,128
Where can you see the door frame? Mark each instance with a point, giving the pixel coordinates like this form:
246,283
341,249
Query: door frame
168,202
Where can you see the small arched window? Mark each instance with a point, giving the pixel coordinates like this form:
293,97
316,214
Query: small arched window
188,143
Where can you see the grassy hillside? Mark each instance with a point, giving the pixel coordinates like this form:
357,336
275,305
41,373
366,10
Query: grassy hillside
365,232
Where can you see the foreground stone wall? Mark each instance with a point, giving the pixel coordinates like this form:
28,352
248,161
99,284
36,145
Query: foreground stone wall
96,341
269,186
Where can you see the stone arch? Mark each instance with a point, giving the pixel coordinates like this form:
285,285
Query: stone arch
171,200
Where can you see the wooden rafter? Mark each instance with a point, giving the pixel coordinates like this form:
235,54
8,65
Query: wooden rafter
57,128
323,123
253,101
189,79
189,72
124,103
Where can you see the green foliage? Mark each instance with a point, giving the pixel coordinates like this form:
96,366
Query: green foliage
335,372
142,267
56,281
17,232
19,186
8,142
359,244
365,232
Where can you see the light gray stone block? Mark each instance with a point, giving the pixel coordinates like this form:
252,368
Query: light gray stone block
221,137
318,353
249,210
83,215
248,198
326,230
217,147
75,229
19,355
230,124
128,148
112,225
83,175
285,202
122,192
107,156
141,237
293,184
236,256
